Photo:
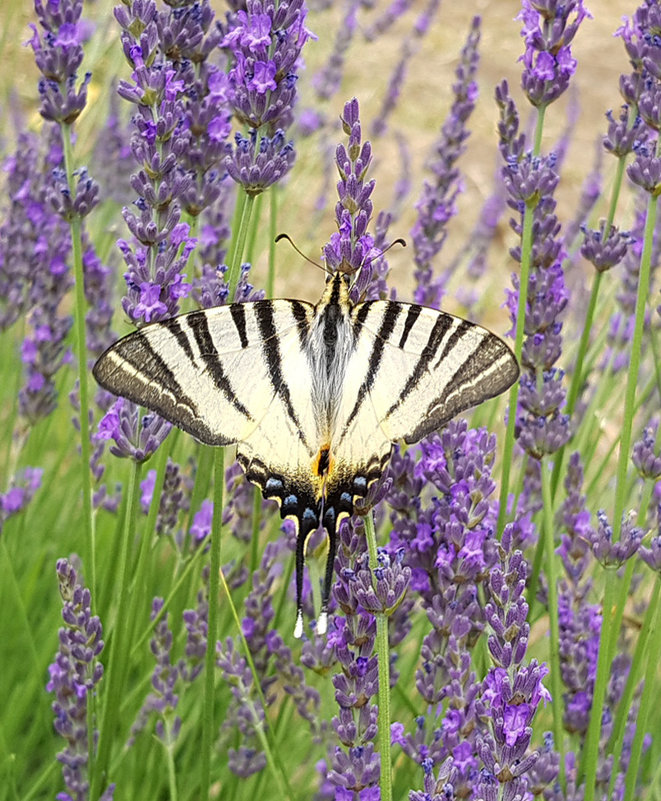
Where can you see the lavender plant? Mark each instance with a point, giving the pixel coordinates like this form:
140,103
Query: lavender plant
495,607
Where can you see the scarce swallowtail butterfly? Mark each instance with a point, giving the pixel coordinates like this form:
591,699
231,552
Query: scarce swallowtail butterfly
314,396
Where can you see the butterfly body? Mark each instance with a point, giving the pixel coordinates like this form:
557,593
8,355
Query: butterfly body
313,395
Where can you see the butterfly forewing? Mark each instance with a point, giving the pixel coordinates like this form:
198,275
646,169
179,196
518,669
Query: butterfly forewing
425,367
213,373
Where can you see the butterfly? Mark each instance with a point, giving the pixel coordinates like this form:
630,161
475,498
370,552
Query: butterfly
314,396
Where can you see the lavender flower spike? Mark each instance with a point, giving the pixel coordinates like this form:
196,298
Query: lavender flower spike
265,45
134,439
58,57
512,690
549,29
158,254
74,674
437,204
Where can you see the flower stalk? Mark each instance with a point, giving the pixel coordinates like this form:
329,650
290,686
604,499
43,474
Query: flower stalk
383,656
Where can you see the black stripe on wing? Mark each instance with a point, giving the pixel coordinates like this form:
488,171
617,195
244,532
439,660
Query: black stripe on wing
273,358
238,312
390,315
489,370
300,312
411,316
436,335
464,327
199,325
148,371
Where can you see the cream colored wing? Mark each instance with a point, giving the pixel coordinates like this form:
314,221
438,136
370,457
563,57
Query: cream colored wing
412,370
221,372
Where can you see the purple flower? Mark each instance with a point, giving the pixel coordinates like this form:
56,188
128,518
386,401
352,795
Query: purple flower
512,690
206,110
644,455
201,527
605,250
162,700
387,18
448,543
196,623
134,439
256,171
381,590
328,79
350,249
623,136
174,499
265,42
74,674
645,171
22,488
58,53
615,554
353,765
246,712
170,143
574,548
622,320
548,30
652,555
34,273
409,47
541,427
81,203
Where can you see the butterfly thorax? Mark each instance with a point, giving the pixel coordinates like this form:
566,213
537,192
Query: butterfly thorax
329,347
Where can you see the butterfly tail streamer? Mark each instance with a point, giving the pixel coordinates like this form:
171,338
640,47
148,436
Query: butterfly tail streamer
307,524
330,524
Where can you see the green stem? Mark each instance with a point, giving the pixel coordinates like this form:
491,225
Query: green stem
531,591
635,672
238,245
172,773
202,474
634,365
251,239
208,723
383,656
539,128
648,698
272,757
256,520
81,353
141,578
578,376
590,756
554,639
119,648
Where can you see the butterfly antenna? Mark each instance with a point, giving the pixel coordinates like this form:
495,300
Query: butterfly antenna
300,252
398,241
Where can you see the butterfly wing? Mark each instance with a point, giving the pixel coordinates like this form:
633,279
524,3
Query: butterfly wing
412,370
218,373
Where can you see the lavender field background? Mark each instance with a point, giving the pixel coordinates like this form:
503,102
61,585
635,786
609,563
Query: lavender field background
151,153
